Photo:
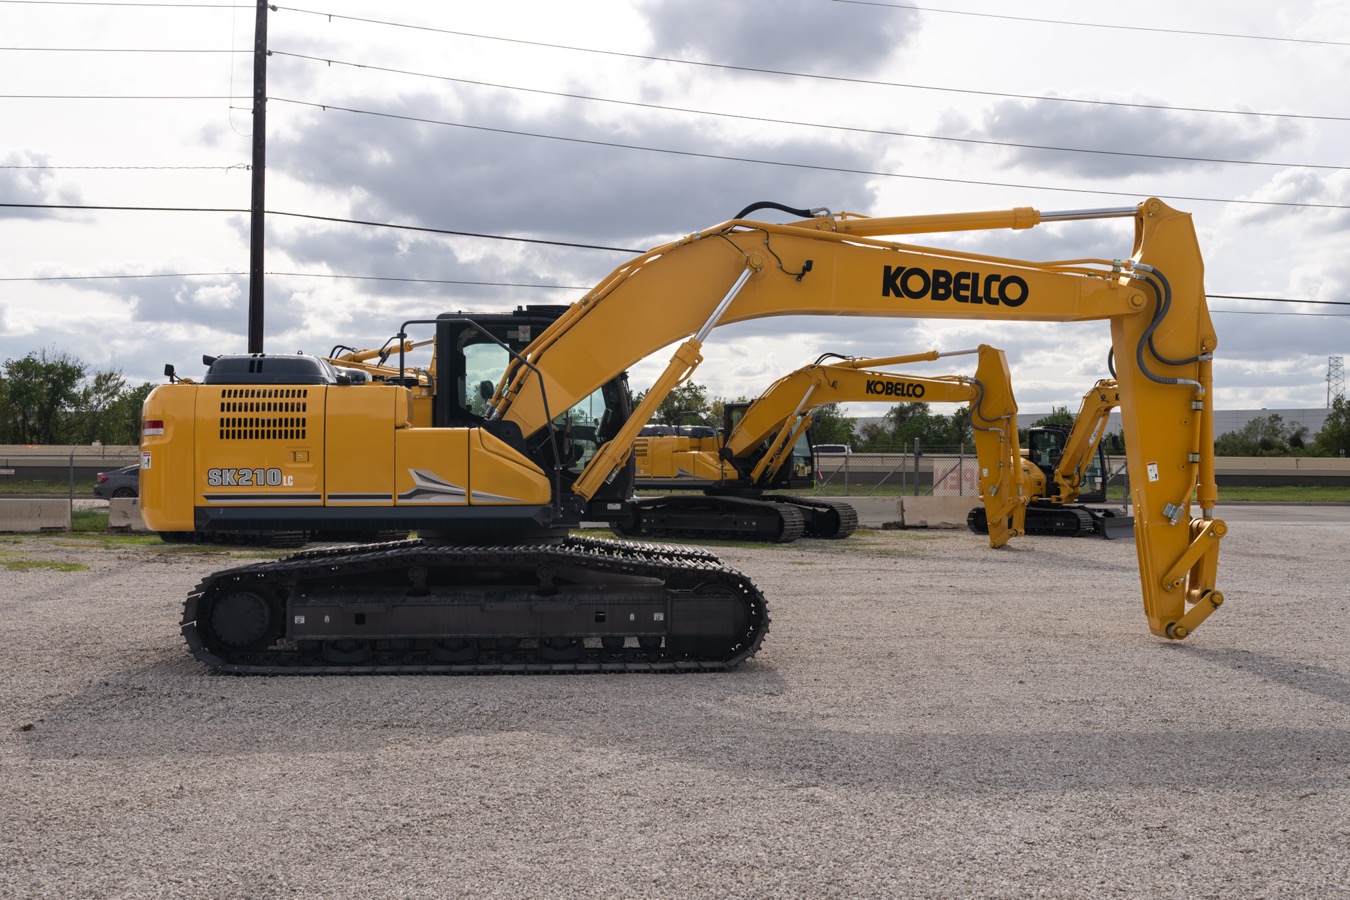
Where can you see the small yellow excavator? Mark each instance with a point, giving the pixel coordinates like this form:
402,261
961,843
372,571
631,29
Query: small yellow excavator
1065,468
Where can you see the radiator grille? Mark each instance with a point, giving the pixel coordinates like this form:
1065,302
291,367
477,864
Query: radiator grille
263,414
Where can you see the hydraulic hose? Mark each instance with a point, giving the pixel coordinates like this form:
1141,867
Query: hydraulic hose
1166,304
769,204
1163,289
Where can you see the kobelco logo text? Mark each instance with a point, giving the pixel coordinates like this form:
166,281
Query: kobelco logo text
895,388
963,287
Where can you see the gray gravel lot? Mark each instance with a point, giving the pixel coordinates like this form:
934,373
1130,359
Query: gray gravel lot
927,718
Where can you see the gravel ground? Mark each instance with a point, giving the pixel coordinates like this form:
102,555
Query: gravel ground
927,718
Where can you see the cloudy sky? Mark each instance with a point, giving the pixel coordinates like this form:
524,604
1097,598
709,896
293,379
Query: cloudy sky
614,126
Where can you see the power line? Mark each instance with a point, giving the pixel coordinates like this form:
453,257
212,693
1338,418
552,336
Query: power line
1291,315
1072,24
208,209
495,237
149,5
123,277
137,168
428,281
573,287
272,212
110,96
111,50
427,229
794,123
811,166
1277,299
829,78
509,284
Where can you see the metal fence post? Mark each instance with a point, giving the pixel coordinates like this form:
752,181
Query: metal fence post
917,454
70,474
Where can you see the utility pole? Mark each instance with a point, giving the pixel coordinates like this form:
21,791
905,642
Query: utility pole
1335,378
256,204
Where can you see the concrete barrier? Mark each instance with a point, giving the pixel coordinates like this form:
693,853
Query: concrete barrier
911,512
124,514
34,515
936,512
875,512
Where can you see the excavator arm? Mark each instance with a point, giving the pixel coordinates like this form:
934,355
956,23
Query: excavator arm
845,265
1080,447
783,412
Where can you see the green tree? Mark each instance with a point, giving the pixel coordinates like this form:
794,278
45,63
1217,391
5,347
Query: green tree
122,419
686,404
43,389
93,402
961,432
7,414
1262,436
1334,438
830,426
1060,415
906,422
717,409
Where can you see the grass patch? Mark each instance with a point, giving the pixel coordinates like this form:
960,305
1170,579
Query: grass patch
29,565
1279,493
87,520
112,540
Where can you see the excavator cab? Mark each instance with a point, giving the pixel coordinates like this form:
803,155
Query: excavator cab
798,470
1045,448
473,354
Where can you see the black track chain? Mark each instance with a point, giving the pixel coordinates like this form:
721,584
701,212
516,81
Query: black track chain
668,563
780,523
841,516
1042,521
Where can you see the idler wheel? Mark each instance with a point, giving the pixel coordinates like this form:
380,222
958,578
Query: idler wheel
242,619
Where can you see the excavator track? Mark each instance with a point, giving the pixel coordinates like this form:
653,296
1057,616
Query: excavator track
276,539
1053,521
576,605
716,517
832,519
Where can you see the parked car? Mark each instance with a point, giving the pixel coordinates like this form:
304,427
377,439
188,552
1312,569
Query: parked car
833,449
123,482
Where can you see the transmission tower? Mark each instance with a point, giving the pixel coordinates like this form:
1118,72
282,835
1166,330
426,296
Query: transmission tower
1335,379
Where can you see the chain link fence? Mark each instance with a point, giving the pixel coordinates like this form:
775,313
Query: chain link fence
67,473
924,474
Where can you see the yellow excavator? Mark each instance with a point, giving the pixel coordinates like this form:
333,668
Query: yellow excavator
1063,469
492,486
764,446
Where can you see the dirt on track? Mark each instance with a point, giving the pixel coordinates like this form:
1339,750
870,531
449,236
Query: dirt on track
927,718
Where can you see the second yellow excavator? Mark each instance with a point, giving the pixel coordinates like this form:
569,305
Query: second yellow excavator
1063,469
722,484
